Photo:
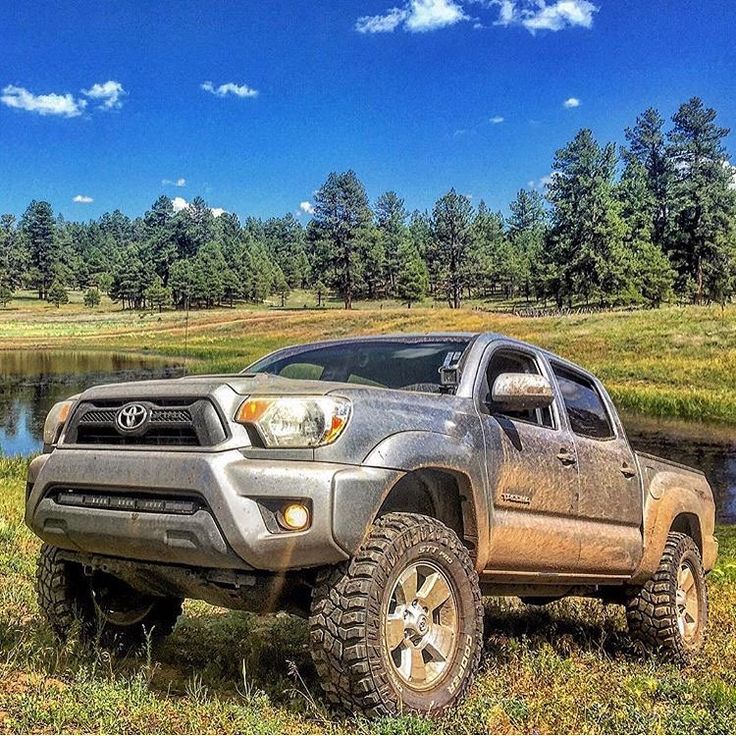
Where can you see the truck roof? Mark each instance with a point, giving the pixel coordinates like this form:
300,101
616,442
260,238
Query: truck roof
471,337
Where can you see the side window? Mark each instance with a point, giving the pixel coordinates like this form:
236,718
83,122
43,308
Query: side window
510,361
584,405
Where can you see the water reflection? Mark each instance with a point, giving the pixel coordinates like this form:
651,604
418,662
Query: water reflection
32,381
708,447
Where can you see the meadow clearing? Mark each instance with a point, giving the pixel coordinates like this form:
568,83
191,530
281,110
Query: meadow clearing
568,667
675,361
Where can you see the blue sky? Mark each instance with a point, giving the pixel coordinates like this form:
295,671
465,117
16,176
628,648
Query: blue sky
252,103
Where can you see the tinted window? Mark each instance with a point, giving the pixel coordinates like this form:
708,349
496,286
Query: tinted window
507,361
405,364
584,405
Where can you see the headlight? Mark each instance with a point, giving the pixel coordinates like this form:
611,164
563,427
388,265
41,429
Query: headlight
291,421
55,421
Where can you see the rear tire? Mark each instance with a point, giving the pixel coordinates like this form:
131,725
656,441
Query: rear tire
399,626
669,614
100,607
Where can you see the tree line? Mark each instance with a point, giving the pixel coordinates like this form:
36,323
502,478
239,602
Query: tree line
639,224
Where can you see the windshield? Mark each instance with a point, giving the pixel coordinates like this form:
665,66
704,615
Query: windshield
410,365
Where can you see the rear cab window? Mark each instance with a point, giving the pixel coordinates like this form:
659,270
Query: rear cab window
584,405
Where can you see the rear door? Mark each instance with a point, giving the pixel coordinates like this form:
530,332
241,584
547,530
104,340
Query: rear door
532,473
609,506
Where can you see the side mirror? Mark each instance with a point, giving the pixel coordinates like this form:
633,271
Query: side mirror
521,391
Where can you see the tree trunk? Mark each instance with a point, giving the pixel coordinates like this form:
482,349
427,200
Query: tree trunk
699,282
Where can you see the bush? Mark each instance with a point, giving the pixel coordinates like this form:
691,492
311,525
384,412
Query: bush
92,298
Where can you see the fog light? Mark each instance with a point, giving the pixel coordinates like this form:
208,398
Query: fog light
294,516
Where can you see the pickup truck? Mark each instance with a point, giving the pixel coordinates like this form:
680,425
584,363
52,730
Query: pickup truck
378,486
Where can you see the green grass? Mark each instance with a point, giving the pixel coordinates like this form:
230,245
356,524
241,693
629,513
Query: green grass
569,667
674,362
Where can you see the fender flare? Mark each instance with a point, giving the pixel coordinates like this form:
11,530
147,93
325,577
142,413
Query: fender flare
414,450
660,511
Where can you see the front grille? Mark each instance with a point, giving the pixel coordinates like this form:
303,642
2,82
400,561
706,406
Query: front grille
171,423
151,504
92,435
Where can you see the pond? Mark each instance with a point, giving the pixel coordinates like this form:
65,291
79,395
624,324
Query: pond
32,381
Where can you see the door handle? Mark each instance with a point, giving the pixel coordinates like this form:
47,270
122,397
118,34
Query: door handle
566,457
628,471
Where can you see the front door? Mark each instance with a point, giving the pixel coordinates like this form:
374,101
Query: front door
532,471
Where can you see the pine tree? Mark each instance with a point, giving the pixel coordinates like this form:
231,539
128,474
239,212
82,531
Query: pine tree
374,263
412,278
452,219
57,293
160,247
13,256
195,227
586,248
39,231
157,295
391,224
652,273
281,286
491,260
527,229
704,201
648,149
6,292
341,217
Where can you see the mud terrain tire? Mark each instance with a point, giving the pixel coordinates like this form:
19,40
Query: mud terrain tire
399,627
70,601
669,613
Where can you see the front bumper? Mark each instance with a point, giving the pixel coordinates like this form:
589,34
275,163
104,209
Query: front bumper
230,531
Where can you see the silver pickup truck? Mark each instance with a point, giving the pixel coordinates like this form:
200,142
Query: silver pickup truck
379,486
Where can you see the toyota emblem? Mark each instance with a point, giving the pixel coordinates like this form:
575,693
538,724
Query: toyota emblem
131,417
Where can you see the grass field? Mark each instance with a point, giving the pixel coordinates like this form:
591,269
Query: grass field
674,361
569,667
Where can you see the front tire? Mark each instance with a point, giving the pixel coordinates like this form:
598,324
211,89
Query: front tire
399,626
669,614
100,607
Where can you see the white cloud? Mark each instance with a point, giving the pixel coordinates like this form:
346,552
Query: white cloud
179,204
180,182
496,119
382,23
541,15
307,208
542,183
229,88
82,199
107,93
506,12
571,102
428,15
50,104
417,16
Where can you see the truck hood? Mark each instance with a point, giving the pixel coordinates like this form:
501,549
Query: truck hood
200,386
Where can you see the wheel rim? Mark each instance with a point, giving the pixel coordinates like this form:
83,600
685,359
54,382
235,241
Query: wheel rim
687,602
420,625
